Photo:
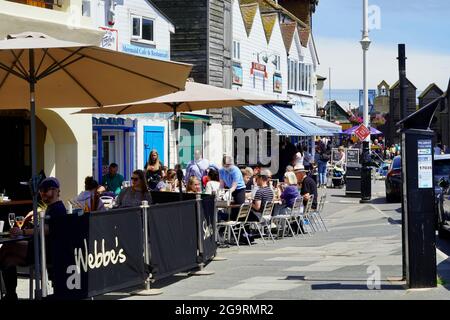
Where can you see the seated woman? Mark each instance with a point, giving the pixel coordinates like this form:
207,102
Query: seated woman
213,184
194,185
289,192
169,182
89,199
134,195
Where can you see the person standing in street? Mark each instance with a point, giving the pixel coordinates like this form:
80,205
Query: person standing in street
153,170
324,157
197,168
112,181
231,178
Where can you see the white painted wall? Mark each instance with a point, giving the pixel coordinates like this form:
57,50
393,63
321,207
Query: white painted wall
256,43
303,103
123,23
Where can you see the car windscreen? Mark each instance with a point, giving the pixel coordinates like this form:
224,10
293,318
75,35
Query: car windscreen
442,168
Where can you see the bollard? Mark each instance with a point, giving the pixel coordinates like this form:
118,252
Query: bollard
147,291
201,265
43,254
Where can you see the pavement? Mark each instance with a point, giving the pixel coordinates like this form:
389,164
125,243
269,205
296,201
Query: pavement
358,258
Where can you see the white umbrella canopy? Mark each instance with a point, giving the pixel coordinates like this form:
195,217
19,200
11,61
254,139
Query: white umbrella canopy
37,71
195,96
70,74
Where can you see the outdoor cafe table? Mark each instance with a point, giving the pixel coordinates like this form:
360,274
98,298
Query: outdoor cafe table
8,239
16,202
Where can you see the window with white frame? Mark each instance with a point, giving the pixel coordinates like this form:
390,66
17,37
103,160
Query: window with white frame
236,50
299,77
142,28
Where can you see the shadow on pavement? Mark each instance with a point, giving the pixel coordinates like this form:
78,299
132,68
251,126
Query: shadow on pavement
340,286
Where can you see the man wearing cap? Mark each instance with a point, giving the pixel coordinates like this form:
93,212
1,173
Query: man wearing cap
263,195
21,253
308,185
231,178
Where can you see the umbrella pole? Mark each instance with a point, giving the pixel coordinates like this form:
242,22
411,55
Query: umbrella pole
36,238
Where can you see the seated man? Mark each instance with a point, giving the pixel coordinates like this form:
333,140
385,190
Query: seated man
112,181
21,253
262,195
308,186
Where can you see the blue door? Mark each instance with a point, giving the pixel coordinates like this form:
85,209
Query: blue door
153,139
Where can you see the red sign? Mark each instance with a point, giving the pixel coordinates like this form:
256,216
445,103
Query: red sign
362,132
258,67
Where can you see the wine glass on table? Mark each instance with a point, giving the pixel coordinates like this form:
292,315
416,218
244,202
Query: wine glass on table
11,219
20,221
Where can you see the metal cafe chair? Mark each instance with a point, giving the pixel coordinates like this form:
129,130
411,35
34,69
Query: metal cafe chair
237,226
265,223
283,223
297,215
317,213
306,216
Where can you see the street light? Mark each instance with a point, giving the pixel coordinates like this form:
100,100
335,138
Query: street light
366,171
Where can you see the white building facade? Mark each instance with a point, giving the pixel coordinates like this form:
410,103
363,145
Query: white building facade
273,55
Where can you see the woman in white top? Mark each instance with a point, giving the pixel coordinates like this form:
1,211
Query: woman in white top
298,160
213,184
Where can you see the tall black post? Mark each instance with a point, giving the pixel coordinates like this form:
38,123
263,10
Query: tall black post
34,180
418,200
419,208
366,175
403,84
403,103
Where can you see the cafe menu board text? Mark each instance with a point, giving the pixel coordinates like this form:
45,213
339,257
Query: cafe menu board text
352,156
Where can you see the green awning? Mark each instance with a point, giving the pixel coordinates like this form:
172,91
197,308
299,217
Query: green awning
195,117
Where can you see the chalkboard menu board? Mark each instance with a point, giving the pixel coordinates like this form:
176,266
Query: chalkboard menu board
352,157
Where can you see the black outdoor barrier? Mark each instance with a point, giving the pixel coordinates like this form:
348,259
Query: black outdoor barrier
207,217
208,229
96,253
172,238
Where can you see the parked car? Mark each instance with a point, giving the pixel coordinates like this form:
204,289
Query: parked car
393,180
442,193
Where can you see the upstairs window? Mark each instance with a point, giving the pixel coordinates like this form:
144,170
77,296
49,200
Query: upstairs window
142,29
236,50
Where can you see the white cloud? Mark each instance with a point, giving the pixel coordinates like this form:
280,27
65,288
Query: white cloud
344,57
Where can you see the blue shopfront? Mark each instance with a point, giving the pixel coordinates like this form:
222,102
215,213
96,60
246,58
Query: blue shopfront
114,141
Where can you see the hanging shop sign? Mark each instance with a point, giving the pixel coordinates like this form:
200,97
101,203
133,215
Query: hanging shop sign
259,68
277,83
110,39
237,74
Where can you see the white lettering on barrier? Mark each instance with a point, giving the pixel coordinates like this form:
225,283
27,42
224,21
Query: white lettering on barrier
85,260
208,230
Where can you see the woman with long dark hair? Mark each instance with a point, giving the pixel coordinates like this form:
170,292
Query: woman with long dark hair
134,195
153,170
89,199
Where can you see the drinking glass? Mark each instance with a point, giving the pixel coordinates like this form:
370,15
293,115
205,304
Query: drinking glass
12,219
20,221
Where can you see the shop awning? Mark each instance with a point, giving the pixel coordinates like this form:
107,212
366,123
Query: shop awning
195,117
326,125
275,121
298,121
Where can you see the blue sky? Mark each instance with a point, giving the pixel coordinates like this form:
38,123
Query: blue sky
423,25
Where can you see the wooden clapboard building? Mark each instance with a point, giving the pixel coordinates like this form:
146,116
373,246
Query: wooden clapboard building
203,38
392,137
431,93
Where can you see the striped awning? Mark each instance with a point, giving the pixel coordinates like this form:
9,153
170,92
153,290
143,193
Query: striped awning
275,121
298,121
